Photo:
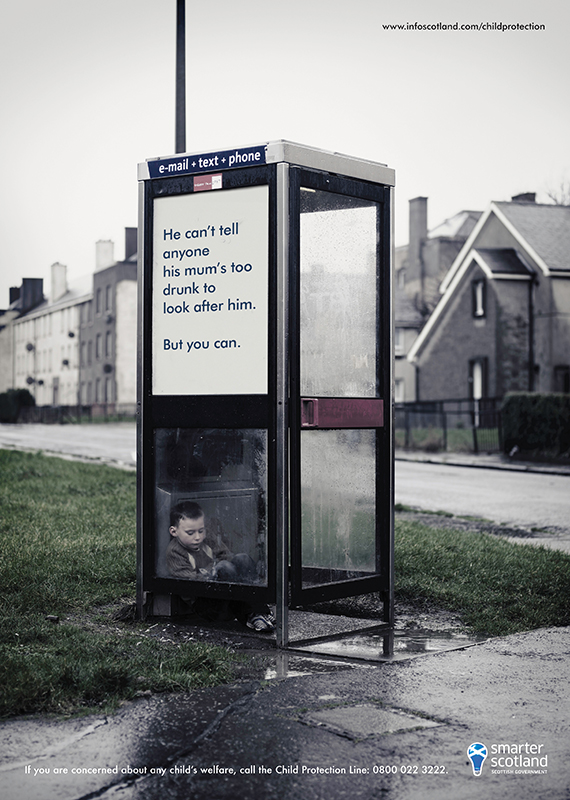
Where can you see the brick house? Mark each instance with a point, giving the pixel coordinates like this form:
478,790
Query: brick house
503,320
419,267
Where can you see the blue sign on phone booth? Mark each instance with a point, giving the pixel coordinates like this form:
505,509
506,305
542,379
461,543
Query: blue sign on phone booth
265,379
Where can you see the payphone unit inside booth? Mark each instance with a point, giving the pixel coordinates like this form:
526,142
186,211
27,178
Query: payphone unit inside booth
265,379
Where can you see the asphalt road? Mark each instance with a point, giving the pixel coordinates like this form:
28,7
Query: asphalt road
514,498
112,443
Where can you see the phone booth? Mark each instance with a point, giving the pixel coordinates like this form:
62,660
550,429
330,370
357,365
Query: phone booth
265,379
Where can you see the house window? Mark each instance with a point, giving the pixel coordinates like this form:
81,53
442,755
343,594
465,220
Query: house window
108,298
399,341
478,386
108,344
478,378
399,393
98,346
479,292
98,301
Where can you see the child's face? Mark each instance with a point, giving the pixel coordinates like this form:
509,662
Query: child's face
189,532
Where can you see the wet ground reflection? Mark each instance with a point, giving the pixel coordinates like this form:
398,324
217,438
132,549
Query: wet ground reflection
368,646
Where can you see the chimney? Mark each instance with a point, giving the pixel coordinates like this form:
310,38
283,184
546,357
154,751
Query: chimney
58,281
525,197
14,294
104,254
130,242
32,293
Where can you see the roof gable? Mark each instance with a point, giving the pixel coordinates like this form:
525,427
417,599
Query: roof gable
544,228
541,231
496,263
502,263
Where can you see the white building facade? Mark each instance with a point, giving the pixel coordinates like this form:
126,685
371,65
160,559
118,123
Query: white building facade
79,345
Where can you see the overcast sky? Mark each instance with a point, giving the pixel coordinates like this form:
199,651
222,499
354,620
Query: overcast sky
87,92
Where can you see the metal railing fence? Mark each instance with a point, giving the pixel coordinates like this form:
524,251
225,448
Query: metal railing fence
464,424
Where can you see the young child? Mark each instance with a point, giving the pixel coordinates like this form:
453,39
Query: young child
194,555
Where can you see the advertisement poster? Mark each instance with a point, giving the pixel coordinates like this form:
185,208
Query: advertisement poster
467,103
210,290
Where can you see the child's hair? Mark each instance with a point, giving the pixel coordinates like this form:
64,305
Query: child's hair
186,509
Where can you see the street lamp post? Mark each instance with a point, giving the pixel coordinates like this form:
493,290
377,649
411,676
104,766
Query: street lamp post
180,76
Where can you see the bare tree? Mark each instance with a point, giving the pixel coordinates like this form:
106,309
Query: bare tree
560,194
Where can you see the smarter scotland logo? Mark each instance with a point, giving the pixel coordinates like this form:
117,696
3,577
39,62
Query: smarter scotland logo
522,758
477,753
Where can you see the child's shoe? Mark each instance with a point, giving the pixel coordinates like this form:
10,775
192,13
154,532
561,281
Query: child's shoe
262,623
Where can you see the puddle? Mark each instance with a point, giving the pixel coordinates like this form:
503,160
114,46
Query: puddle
421,641
288,665
362,649
407,644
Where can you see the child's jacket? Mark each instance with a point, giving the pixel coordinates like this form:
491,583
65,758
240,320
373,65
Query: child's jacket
198,565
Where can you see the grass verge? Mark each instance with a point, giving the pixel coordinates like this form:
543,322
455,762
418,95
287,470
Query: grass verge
67,545
498,587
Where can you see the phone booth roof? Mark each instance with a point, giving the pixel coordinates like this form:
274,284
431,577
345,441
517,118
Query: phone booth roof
266,153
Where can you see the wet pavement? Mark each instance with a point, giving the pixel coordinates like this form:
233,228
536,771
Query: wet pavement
307,730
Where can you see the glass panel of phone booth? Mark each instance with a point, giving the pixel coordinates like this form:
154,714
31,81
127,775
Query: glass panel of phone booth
338,358
338,486
222,473
337,295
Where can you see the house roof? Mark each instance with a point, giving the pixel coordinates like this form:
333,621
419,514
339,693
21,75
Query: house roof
78,290
545,228
458,226
497,262
542,231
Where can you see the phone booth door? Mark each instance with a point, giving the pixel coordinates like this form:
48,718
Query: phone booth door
341,473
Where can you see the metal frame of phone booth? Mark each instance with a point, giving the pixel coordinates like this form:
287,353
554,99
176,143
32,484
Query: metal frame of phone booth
280,426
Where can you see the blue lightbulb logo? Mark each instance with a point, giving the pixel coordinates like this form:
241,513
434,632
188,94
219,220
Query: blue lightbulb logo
477,753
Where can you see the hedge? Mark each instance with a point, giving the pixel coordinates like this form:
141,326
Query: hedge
12,401
536,422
